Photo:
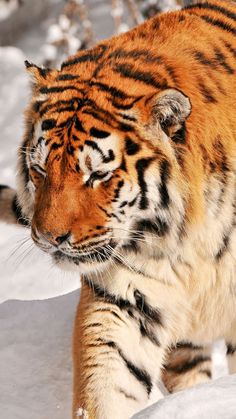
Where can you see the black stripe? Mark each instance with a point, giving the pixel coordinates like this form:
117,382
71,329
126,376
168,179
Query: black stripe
66,109
223,248
131,203
206,93
121,106
127,117
136,54
37,105
110,157
131,245
188,365
91,56
230,48
93,325
131,147
75,138
209,6
118,188
78,125
146,56
110,298
219,24
113,91
73,103
93,145
171,73
156,226
109,119
207,372
112,312
188,345
48,124
125,127
22,154
18,213
141,375
201,58
94,132
141,166
52,106
162,187
70,149
100,114
231,349
220,57
127,70
127,396
123,204
125,106
56,146
65,123
59,89
67,77
145,332
145,309
123,165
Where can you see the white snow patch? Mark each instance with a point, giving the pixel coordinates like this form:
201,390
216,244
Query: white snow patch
81,413
214,400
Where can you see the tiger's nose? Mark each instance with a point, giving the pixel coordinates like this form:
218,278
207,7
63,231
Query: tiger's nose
55,239
63,238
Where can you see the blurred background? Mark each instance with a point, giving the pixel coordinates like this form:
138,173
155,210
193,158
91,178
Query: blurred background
35,339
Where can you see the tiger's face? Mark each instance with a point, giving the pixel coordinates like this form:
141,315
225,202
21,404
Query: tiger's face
94,174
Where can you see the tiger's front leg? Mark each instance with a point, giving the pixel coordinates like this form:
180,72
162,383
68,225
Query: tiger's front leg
117,358
123,327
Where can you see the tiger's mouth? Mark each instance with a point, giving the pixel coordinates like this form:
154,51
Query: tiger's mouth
94,256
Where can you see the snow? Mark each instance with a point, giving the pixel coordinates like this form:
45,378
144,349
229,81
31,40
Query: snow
214,400
35,358
35,339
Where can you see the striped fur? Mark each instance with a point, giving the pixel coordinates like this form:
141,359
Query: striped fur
127,175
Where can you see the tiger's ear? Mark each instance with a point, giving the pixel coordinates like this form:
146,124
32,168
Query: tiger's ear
169,109
39,75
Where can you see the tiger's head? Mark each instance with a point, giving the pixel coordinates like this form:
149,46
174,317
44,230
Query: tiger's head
97,167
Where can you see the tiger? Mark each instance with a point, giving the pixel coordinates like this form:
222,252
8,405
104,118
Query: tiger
127,176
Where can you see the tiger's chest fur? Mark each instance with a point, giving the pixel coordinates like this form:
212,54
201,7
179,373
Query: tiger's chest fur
198,266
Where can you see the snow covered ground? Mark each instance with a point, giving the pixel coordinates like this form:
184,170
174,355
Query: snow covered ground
35,338
216,400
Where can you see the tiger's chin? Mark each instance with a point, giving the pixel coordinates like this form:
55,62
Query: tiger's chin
79,265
